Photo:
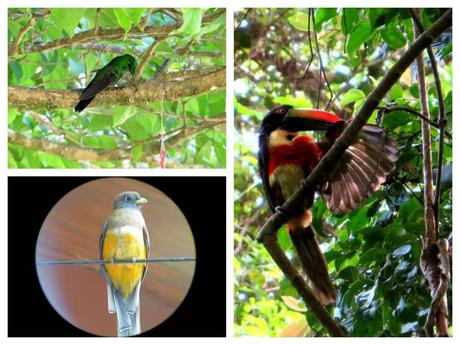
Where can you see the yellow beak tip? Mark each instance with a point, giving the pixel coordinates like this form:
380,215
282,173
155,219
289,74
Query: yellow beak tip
142,201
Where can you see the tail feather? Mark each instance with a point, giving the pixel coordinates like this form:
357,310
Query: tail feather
313,263
128,312
83,104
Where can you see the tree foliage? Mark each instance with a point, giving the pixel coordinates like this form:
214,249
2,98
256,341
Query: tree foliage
373,252
180,78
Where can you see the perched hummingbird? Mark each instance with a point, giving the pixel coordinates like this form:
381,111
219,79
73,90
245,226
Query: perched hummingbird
105,76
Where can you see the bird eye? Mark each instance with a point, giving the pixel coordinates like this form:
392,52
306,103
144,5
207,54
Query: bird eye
281,110
128,198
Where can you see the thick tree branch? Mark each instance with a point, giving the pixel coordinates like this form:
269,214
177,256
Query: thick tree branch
65,150
267,234
106,34
79,153
119,50
25,98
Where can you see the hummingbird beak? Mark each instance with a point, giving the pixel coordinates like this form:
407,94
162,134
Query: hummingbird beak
299,119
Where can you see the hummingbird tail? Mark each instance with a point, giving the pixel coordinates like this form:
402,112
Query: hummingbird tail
83,104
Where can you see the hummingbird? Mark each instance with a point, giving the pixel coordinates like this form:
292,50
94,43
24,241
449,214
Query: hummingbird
107,75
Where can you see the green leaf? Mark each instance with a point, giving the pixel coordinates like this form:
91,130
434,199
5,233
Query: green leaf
352,96
67,18
323,15
120,118
191,21
137,152
51,161
396,119
393,36
283,239
91,142
381,16
299,21
100,122
11,161
396,92
123,18
134,15
360,34
108,19
107,142
12,113
349,19
220,151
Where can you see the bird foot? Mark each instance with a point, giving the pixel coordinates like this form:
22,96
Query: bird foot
279,210
133,260
112,260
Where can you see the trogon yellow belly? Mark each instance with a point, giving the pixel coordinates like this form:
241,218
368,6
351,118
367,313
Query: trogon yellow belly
125,236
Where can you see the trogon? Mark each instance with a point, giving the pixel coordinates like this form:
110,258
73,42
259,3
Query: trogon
125,236
287,156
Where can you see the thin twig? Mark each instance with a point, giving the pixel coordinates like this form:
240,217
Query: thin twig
321,67
14,48
311,52
442,120
242,19
389,109
55,130
430,265
147,56
96,20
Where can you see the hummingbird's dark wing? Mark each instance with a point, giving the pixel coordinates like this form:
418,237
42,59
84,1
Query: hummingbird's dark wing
100,82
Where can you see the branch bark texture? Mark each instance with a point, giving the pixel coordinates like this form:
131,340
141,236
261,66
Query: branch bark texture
430,262
106,34
25,98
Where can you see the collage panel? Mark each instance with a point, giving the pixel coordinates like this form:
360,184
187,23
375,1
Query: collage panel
78,276
340,160
116,88
343,172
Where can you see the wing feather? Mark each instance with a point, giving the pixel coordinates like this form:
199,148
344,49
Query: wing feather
361,171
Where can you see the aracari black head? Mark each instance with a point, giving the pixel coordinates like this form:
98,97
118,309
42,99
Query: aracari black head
274,119
292,119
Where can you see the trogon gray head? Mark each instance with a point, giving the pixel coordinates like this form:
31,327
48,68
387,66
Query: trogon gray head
129,200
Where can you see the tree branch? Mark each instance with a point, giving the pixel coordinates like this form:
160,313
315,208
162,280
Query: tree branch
14,48
105,34
149,91
267,234
430,263
79,153
442,120
147,56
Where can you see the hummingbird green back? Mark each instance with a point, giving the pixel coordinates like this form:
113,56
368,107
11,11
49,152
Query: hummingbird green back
107,75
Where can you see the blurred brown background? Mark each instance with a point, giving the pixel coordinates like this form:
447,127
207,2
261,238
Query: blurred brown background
71,232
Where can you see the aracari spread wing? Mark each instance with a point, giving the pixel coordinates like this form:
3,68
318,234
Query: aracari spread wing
361,171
